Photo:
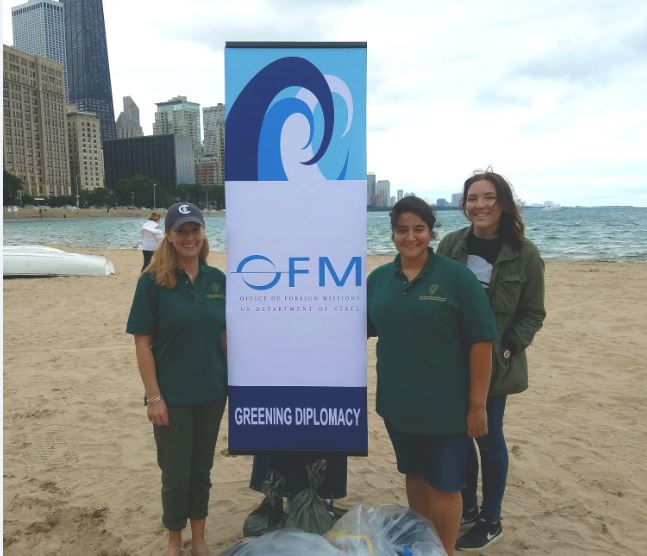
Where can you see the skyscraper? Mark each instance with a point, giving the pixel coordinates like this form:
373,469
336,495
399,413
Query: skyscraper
214,129
128,121
87,62
86,156
383,193
214,138
179,116
35,139
370,189
39,28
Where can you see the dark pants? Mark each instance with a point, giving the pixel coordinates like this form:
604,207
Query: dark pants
293,468
185,455
148,255
494,464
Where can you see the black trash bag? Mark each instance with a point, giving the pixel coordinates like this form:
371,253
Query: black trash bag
268,516
308,511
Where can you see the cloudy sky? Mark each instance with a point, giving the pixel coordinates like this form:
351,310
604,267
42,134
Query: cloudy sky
552,94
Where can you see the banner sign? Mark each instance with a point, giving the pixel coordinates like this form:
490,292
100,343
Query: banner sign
295,180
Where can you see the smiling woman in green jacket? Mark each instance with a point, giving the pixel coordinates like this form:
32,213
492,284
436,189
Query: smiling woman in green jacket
511,271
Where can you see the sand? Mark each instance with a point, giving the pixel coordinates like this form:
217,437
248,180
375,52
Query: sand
80,475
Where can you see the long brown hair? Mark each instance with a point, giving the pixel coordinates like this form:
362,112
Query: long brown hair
164,262
511,228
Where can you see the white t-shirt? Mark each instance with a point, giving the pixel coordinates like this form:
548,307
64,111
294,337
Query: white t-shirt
152,235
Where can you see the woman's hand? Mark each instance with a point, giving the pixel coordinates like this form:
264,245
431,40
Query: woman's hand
476,422
480,371
157,413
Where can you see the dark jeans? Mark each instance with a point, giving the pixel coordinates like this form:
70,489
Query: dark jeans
148,255
185,455
494,464
293,468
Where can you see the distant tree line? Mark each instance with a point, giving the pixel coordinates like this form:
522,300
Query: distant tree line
136,191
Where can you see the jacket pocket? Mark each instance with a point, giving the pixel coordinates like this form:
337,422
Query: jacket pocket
507,291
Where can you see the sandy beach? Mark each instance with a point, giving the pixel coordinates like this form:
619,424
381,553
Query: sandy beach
80,475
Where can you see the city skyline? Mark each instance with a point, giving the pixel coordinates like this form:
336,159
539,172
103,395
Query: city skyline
451,88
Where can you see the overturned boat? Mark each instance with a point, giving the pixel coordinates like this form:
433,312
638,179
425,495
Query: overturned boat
38,260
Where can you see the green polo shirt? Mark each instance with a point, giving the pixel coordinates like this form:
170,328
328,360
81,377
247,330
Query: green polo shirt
425,329
186,323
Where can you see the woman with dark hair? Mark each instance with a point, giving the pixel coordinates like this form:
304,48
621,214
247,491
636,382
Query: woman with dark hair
178,321
434,353
511,271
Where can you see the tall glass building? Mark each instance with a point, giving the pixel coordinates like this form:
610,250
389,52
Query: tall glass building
87,62
39,28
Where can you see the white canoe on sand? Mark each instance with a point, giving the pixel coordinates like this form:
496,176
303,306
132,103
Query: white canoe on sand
37,260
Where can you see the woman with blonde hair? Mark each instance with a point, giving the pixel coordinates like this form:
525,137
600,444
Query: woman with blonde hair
178,321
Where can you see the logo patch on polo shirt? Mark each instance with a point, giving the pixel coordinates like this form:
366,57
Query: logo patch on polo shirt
215,292
432,295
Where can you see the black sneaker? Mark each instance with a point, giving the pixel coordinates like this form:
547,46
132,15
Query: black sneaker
469,517
482,535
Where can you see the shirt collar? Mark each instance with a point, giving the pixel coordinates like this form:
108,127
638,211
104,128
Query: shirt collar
202,268
425,269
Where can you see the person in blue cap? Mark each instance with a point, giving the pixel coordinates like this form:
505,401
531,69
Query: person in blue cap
178,321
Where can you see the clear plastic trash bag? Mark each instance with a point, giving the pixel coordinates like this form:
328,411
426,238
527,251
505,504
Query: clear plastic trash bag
387,530
284,542
354,535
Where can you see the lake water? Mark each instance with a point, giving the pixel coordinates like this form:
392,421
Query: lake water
602,233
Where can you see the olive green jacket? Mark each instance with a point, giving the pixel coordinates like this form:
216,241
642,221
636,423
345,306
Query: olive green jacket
517,299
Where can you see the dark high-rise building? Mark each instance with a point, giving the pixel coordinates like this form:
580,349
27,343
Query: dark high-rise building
87,62
166,159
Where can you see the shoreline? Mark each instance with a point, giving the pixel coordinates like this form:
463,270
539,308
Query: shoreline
383,257
60,212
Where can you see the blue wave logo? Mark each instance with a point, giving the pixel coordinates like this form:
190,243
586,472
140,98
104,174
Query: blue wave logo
282,123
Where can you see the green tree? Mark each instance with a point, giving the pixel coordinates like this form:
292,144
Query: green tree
11,188
60,201
217,197
212,196
139,190
99,197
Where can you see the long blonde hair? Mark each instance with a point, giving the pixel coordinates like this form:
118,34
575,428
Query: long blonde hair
164,262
